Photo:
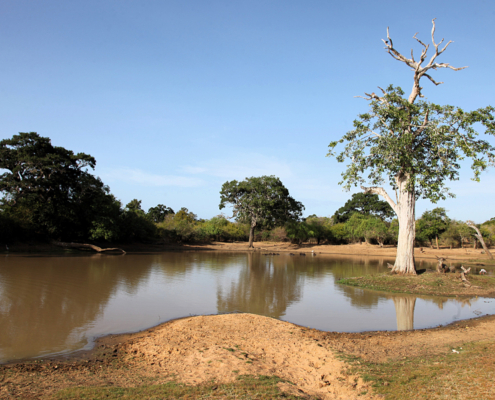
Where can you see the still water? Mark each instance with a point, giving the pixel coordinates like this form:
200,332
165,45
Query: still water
58,304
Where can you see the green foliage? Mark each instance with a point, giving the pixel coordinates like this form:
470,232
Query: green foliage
366,204
48,190
184,227
262,201
157,214
320,228
487,229
432,224
421,140
297,231
354,227
339,232
393,231
375,228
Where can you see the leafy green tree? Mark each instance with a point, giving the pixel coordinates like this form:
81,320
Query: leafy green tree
488,228
135,206
260,201
432,224
354,227
338,232
375,228
157,214
415,146
456,233
393,231
366,204
319,228
297,231
49,187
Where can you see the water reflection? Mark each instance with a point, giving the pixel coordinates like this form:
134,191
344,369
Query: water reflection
58,304
266,286
404,309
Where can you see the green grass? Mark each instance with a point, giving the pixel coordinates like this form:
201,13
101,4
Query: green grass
245,387
426,284
468,374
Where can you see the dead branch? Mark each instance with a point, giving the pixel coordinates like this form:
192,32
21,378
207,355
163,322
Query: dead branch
479,236
419,70
464,270
86,246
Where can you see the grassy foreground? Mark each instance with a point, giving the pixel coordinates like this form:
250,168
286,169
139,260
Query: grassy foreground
426,284
246,387
465,372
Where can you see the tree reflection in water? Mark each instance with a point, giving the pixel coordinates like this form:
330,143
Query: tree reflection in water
266,287
45,301
404,309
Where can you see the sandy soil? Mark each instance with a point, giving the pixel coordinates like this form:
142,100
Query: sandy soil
200,349
364,249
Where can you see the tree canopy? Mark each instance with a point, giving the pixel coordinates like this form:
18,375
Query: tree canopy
260,201
49,187
366,204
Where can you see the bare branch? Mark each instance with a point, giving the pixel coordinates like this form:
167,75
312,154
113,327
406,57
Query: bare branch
419,70
381,192
431,79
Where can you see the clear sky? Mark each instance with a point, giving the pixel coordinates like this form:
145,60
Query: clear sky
173,98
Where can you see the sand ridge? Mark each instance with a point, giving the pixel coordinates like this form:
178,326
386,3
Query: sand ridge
221,347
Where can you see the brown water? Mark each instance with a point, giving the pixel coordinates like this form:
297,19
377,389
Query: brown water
58,304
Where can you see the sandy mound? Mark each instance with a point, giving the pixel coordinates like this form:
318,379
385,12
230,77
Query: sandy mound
199,349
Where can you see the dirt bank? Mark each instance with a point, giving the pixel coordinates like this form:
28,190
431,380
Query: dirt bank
219,348
425,253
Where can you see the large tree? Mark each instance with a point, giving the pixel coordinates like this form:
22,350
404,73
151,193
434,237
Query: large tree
51,187
413,145
260,201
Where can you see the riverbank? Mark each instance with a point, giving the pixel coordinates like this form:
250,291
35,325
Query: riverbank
206,354
429,283
465,255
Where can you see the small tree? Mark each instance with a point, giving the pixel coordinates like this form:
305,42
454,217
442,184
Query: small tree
261,202
414,145
432,224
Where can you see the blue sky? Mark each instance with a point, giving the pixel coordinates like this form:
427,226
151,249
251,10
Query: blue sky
173,98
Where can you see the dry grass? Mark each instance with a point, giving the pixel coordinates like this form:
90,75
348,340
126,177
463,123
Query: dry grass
468,374
245,387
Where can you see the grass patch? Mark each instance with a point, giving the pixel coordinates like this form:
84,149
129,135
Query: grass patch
468,374
426,284
245,387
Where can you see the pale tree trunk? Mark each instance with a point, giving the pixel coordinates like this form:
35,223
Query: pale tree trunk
404,261
479,236
251,233
404,309
436,239
405,210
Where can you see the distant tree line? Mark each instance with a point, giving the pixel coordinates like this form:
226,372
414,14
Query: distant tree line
48,192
